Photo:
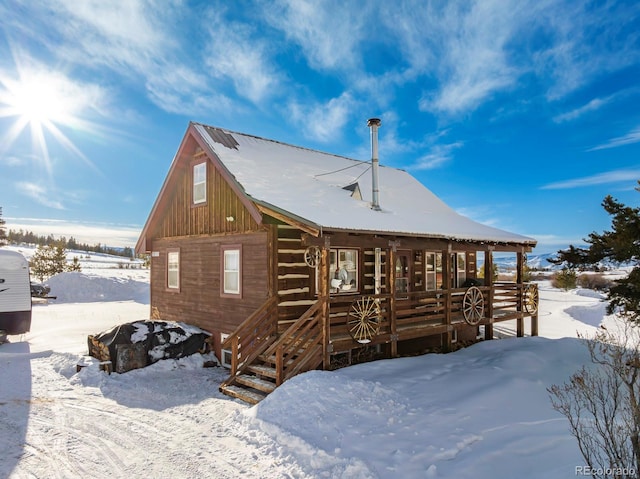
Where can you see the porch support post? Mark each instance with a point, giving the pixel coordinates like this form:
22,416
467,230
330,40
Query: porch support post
447,281
323,297
520,292
488,280
393,247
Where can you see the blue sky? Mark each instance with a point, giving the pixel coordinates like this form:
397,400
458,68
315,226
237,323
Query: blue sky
521,115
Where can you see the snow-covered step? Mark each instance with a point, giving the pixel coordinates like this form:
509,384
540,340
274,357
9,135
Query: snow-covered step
255,383
262,370
252,397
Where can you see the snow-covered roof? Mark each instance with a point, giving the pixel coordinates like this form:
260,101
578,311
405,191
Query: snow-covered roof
11,260
318,188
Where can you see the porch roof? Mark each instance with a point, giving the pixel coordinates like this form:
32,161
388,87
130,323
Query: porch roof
318,189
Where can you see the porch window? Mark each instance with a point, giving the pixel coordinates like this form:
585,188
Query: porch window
402,273
461,269
173,269
433,271
199,183
343,265
231,271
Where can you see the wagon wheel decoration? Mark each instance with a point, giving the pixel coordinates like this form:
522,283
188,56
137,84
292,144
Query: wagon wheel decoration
364,319
531,299
473,306
312,256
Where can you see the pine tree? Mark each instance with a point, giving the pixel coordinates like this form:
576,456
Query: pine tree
74,265
620,245
3,230
48,261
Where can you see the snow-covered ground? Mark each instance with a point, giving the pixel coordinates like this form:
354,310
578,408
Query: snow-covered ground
481,412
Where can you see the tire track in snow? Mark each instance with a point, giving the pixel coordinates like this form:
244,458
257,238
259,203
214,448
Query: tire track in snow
75,431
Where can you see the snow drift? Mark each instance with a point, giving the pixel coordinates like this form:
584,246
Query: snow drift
79,287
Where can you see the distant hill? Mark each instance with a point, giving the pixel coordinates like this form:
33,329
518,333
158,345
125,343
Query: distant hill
508,262
539,262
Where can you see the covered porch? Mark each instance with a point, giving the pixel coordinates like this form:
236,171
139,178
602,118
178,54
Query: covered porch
390,302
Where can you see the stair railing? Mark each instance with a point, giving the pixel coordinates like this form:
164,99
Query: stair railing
253,336
299,348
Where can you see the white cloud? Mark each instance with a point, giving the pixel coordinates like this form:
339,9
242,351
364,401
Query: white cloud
12,160
615,176
480,213
439,155
330,33
475,61
40,195
632,137
551,243
585,42
466,52
323,121
237,53
85,232
137,39
593,105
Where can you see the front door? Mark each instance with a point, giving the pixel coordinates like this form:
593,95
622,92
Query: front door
403,272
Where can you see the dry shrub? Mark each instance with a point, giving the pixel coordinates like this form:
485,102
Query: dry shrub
595,281
565,279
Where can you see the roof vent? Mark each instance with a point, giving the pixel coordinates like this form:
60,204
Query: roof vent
374,123
354,188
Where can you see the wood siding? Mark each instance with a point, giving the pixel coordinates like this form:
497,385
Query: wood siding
181,218
199,301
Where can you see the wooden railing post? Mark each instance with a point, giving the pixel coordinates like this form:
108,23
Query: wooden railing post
323,293
534,316
234,355
520,310
488,277
520,293
279,366
393,247
446,282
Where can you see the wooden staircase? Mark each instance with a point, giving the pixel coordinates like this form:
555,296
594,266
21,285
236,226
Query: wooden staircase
262,359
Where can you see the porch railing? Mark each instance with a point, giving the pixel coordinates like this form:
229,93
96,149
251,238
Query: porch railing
439,308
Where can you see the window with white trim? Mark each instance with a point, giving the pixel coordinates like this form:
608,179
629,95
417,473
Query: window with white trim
231,271
461,269
433,270
173,269
225,354
199,183
343,266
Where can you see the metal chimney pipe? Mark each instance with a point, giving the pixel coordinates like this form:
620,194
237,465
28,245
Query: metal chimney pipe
374,123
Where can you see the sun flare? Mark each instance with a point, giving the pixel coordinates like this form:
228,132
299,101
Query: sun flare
38,102
42,101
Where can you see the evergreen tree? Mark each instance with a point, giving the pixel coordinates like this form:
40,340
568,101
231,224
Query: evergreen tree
50,260
620,245
74,265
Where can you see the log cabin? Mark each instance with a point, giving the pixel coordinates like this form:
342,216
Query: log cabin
295,259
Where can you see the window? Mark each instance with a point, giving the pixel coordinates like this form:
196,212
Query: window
173,269
461,269
231,271
225,354
199,183
343,265
403,273
433,271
